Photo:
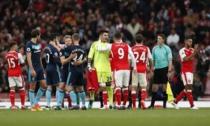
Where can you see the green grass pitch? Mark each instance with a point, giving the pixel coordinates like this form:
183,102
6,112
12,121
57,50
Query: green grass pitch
157,117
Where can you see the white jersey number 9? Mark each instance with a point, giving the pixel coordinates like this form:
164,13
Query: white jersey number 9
121,53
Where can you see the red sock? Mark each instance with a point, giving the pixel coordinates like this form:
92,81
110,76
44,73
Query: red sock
133,96
143,94
190,98
180,96
118,96
125,96
105,96
12,97
22,97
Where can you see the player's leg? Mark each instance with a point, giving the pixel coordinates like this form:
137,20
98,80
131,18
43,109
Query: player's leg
130,104
164,82
82,96
48,95
65,75
130,92
72,95
59,95
118,87
109,88
60,88
110,92
143,91
91,98
66,95
41,91
102,84
160,77
155,88
182,93
125,83
70,88
31,93
118,81
188,87
12,85
22,93
81,91
134,89
104,94
91,79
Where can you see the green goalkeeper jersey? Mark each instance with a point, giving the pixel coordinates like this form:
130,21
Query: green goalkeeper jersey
100,58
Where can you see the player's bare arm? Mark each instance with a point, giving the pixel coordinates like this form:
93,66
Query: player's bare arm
170,66
33,72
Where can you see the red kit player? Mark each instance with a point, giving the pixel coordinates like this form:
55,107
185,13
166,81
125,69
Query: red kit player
14,60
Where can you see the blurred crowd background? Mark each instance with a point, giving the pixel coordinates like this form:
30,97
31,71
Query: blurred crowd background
175,18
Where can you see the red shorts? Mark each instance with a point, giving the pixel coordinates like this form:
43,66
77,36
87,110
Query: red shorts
92,80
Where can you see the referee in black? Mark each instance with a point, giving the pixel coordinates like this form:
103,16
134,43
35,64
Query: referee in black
162,58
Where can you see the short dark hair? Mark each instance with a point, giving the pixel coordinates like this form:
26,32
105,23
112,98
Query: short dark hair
139,38
21,46
52,36
75,36
12,44
162,36
35,33
104,30
117,35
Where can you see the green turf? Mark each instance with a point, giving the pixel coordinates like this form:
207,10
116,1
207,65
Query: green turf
168,117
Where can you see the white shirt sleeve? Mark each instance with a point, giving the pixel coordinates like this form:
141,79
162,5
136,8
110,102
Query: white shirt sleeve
131,56
20,58
182,54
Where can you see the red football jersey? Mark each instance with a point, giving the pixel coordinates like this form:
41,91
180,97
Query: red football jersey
186,66
141,54
14,59
120,59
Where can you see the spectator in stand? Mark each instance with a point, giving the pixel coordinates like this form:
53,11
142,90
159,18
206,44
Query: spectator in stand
173,39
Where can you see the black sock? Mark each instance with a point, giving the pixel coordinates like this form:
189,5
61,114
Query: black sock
101,99
165,98
91,102
130,99
139,99
153,99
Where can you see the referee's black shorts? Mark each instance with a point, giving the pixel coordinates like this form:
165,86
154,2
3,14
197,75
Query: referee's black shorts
161,76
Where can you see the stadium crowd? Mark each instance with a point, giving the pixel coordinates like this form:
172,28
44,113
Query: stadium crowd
175,18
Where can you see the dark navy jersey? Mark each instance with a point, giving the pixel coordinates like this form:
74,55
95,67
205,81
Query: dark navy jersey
80,56
52,57
35,50
66,53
